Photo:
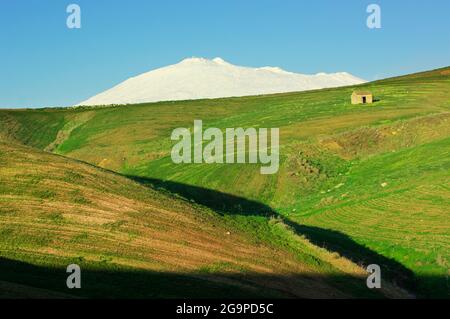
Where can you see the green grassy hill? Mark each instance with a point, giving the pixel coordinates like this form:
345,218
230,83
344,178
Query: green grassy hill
368,183
133,241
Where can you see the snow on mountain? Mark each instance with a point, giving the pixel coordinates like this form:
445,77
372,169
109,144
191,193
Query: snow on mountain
199,78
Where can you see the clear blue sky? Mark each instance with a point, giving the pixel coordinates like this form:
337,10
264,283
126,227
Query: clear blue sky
43,63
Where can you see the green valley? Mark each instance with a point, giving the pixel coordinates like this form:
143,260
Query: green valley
357,185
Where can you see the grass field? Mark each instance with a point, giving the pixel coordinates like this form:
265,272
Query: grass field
357,185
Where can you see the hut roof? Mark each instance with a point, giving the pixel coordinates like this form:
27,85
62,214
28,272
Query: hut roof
362,93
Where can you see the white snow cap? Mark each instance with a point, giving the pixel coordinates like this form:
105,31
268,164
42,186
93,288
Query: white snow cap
200,78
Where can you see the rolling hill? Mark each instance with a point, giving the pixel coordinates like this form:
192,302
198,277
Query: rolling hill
357,185
133,241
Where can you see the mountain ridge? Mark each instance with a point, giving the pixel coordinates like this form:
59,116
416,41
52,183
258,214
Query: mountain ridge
200,78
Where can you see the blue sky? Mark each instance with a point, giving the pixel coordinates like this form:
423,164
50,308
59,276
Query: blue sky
43,63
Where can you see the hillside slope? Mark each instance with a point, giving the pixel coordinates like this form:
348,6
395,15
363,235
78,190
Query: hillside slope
132,241
367,182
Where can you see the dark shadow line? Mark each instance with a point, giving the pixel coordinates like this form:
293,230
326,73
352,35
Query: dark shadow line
227,204
20,279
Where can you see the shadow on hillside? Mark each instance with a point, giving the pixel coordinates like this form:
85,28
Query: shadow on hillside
338,242
20,279
104,280
224,204
330,239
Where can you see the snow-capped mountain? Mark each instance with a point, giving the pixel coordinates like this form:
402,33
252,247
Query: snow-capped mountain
199,78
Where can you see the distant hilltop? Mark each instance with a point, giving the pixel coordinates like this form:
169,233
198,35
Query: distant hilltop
200,78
